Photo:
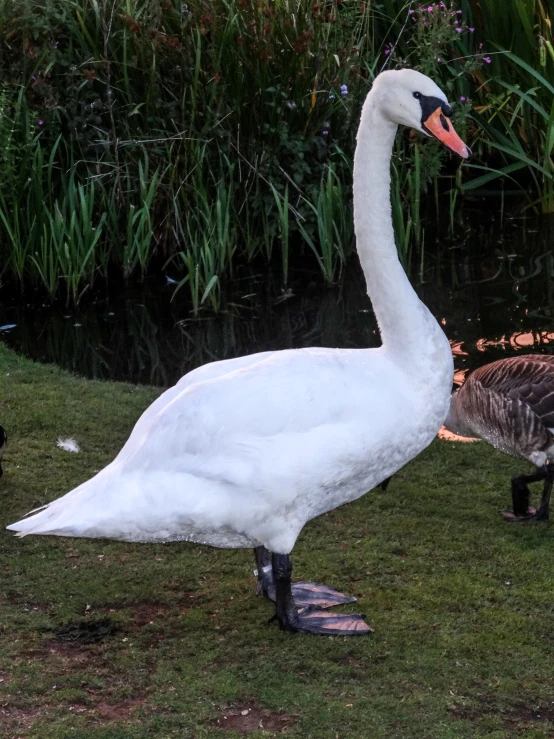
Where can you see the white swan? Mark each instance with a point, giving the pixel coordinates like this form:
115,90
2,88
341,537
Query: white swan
242,453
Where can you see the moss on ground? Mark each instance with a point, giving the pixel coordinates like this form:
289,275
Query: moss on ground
104,640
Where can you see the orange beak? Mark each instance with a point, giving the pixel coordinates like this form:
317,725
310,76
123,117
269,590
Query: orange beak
439,126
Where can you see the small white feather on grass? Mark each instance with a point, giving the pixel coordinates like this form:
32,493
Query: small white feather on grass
70,445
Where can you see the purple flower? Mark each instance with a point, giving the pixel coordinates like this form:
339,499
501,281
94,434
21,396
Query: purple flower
40,122
458,30
387,51
462,98
471,30
459,12
438,58
324,133
430,9
487,59
410,11
480,46
344,89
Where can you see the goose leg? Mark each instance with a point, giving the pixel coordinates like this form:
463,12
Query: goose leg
543,511
520,496
304,593
310,620
384,485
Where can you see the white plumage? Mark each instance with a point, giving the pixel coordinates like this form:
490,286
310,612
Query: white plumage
249,455
244,452
68,445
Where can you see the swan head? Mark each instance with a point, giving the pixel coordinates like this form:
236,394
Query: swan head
409,98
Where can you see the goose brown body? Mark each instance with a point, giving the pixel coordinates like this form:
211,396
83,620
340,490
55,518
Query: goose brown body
510,404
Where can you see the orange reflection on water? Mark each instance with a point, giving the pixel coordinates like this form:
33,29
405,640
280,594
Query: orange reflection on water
518,340
456,347
460,376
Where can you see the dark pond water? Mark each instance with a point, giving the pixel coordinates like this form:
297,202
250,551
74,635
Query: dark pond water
492,289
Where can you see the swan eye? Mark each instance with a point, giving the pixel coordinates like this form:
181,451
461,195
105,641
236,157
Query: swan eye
417,95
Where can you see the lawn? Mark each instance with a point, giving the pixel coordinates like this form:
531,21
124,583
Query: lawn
105,640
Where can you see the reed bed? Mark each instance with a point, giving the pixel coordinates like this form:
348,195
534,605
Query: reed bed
139,135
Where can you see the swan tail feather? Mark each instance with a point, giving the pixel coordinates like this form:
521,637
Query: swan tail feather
69,515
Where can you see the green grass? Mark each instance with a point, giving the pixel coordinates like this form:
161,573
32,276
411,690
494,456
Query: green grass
461,602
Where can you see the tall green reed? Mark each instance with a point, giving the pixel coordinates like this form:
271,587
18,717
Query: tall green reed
203,134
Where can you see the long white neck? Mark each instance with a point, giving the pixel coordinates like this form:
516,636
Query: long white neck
404,321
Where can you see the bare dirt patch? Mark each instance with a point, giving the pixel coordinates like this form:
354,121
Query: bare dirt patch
84,632
16,720
149,613
146,612
107,712
516,717
519,714
248,718
19,600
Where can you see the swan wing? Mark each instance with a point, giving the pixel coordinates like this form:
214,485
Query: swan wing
253,453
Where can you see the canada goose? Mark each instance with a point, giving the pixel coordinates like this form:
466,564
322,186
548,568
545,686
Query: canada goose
3,443
510,404
242,453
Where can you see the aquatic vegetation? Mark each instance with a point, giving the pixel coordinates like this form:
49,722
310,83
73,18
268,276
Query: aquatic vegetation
209,134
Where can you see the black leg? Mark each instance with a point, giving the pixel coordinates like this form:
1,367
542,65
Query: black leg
285,609
384,485
1,471
520,491
310,620
264,568
543,511
521,494
304,593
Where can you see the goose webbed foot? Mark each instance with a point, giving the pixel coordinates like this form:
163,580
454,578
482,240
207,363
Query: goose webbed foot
312,619
305,594
509,515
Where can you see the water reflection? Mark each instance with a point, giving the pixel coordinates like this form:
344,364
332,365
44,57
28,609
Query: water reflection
493,292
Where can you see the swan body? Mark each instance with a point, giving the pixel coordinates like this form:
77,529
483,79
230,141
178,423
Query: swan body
208,468
243,452
510,404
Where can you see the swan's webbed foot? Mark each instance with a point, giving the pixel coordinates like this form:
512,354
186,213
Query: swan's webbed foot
305,594
313,619
315,595
316,621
